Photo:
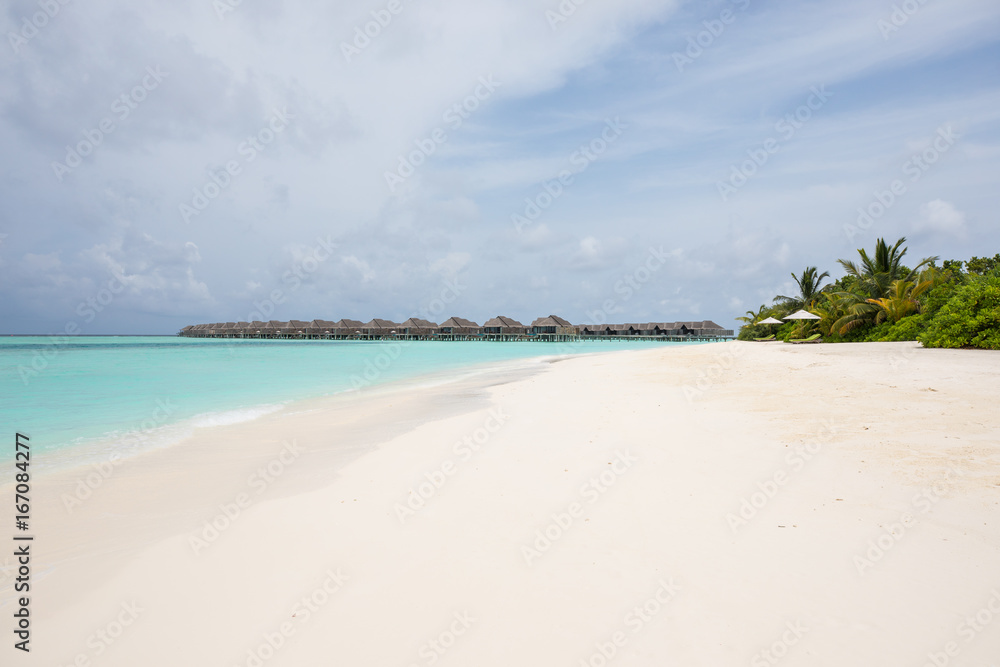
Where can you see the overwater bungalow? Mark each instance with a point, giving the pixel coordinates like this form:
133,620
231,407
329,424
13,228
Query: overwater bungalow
377,329
592,330
297,329
553,328
417,329
500,328
320,329
343,329
273,329
504,328
625,329
457,328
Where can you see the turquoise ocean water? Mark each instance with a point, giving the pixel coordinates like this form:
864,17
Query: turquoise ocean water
89,395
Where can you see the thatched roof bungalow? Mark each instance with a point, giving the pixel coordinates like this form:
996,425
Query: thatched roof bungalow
506,327
624,329
706,328
297,328
273,329
320,328
596,330
346,328
457,326
380,328
416,327
553,325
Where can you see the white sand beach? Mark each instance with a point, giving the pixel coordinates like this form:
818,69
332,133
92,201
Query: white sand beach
723,504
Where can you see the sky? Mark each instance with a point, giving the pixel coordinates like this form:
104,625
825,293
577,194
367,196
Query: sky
165,164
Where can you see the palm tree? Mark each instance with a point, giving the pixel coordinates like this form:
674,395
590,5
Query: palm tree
809,289
902,300
752,317
876,276
878,272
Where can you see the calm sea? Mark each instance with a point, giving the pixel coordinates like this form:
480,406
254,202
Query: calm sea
80,396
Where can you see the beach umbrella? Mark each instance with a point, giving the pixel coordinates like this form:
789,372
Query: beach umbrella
770,320
803,315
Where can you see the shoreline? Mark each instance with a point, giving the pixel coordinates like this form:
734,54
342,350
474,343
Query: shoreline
82,493
126,442
596,485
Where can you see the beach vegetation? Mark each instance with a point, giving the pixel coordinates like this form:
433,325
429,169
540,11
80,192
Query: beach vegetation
881,299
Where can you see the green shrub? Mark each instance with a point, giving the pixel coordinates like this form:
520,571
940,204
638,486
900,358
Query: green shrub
908,328
971,318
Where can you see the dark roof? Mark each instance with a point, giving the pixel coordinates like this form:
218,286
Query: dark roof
551,321
348,324
458,322
417,323
381,324
501,321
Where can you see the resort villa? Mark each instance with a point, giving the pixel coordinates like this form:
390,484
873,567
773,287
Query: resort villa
501,328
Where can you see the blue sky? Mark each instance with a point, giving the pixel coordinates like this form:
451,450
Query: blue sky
304,225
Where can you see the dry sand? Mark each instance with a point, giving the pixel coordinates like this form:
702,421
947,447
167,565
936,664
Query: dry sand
728,504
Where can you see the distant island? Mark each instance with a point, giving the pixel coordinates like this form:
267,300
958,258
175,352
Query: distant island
504,329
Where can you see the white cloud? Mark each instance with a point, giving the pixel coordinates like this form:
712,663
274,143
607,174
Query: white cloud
939,216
